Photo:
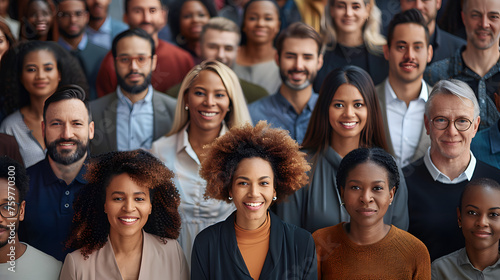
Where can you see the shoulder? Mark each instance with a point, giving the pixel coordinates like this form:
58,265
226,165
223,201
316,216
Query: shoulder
168,100
165,147
408,241
118,24
163,245
106,100
35,170
47,261
485,170
167,49
11,121
445,265
451,39
327,231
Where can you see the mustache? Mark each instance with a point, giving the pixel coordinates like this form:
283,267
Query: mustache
409,61
135,73
60,140
291,71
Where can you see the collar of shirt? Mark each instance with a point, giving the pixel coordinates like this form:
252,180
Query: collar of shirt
81,46
463,259
49,177
390,95
124,100
104,29
494,134
282,102
440,177
183,139
461,68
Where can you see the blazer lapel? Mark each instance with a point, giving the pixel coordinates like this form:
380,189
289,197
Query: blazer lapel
383,108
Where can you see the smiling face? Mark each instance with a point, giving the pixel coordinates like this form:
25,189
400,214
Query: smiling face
220,45
127,205
408,54
72,18
98,8
450,144
40,76
5,190
482,23
39,17
367,194
261,23
145,14
348,113
252,191
4,44
480,218
193,17
67,131
299,62
208,102
349,16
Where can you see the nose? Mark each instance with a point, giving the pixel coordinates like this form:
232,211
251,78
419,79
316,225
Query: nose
419,5
349,111
451,129
482,220
253,190
220,54
133,64
67,132
485,22
147,16
349,11
410,53
129,205
209,100
299,63
366,196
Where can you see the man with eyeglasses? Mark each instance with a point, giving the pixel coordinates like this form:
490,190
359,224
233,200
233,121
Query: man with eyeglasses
436,180
72,19
135,114
19,260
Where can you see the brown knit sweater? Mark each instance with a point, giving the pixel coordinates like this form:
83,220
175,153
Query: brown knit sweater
399,255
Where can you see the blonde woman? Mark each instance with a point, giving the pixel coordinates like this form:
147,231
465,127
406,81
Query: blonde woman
352,31
210,102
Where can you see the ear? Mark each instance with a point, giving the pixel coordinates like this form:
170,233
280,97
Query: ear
386,52
91,130
475,124
430,53
154,60
22,207
277,58
391,194
342,193
427,125
43,129
125,18
459,216
438,4
320,62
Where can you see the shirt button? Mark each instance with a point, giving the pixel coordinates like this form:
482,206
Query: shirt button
66,205
66,192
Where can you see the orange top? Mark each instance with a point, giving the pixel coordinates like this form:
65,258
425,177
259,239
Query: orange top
253,245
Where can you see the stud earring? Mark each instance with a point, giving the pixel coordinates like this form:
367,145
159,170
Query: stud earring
274,198
230,198
186,108
342,204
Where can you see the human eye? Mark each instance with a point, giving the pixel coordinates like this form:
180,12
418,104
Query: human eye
117,198
30,69
462,121
494,214
55,123
354,187
124,59
242,183
140,199
153,10
252,18
220,95
378,188
338,105
141,58
358,105
471,212
48,68
356,7
269,18
440,120
198,93
136,10
229,48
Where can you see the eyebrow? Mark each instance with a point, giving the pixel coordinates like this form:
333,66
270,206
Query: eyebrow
246,178
357,181
123,193
355,100
473,206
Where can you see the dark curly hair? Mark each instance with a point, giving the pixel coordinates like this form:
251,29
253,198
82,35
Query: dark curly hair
90,226
361,155
13,93
174,16
273,145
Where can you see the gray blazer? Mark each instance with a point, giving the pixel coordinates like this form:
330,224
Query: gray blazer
104,110
423,143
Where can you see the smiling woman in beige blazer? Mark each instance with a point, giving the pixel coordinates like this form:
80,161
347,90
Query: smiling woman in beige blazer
126,221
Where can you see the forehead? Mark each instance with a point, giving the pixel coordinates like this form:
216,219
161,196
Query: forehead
133,45
449,105
38,6
143,4
71,4
409,32
72,109
300,45
4,190
485,6
266,7
44,56
224,37
193,5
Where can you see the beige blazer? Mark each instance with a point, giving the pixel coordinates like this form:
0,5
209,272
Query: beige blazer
159,261
423,143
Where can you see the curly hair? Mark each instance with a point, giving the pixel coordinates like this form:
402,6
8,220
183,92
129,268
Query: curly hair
361,155
174,16
12,91
271,144
91,227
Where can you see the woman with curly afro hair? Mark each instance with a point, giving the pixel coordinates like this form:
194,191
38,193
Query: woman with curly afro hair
126,221
253,168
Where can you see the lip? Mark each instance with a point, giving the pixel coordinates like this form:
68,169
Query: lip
40,84
134,77
366,211
260,32
128,220
253,208
66,144
208,115
349,125
41,26
408,66
481,234
450,143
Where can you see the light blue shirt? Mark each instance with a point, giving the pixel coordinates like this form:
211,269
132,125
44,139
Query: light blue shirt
134,122
437,175
81,46
281,114
101,37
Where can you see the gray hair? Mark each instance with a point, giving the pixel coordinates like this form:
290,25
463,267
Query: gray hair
455,87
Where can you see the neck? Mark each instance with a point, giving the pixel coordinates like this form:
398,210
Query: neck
351,39
199,138
481,61
73,42
194,46
343,145
155,39
67,173
432,27
255,53
134,97
366,235
96,23
481,259
451,167
126,245
406,91
15,249
250,224
298,99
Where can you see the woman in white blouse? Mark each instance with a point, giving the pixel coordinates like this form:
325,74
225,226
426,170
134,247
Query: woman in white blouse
210,102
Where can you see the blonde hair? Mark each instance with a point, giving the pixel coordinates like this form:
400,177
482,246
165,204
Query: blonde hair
236,116
372,37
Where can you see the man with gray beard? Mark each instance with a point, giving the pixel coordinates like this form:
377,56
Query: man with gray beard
299,58
135,114
55,181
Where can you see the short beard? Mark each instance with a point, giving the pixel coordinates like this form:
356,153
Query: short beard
2,244
135,89
286,81
63,158
64,34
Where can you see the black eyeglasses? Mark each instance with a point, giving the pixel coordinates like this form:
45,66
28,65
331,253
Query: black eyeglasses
67,15
442,123
9,209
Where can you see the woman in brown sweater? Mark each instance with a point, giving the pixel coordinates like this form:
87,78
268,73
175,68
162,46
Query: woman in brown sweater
366,247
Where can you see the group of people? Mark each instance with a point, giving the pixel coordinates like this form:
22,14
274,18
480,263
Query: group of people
268,147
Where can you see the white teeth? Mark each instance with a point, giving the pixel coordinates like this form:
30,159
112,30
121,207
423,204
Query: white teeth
71,144
208,114
254,204
349,123
129,220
